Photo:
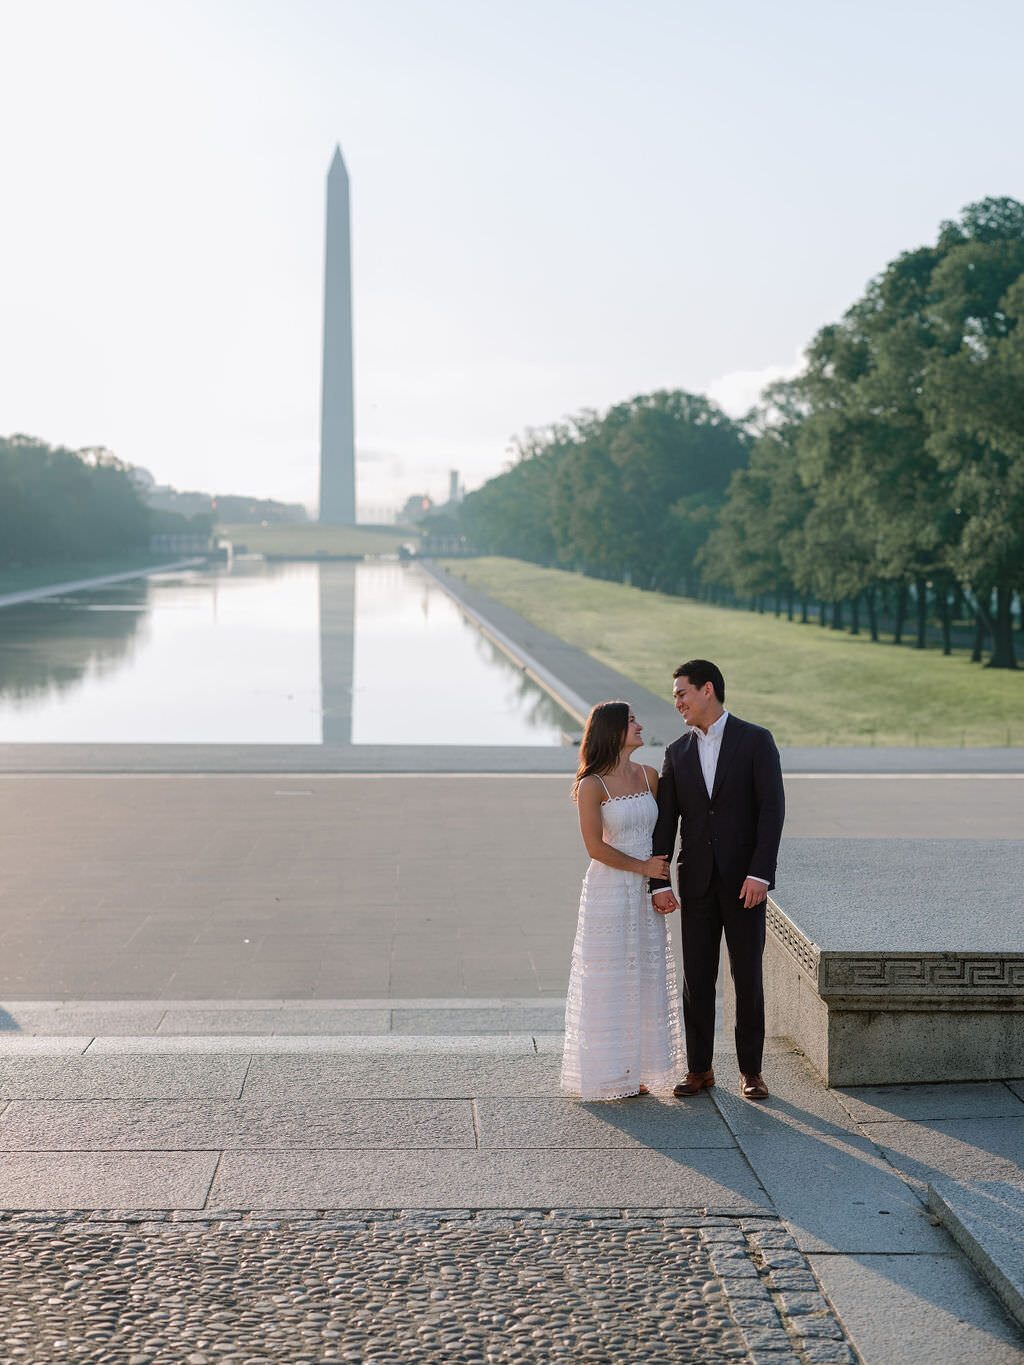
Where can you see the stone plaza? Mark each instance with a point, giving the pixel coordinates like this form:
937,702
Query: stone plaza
279,1068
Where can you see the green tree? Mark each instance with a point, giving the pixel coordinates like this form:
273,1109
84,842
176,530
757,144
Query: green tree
757,545
639,494
975,399
58,504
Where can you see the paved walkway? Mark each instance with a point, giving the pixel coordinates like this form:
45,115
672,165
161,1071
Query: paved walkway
411,1184
332,886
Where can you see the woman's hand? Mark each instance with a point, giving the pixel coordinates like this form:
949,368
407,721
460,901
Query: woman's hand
656,867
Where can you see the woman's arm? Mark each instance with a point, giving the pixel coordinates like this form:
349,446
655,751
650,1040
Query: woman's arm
588,802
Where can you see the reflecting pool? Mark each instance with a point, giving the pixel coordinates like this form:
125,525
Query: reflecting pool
291,653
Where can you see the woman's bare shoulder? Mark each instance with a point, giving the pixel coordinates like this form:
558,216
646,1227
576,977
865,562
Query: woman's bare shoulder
652,777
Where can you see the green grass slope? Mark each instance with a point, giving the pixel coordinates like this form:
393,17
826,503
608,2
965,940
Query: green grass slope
808,685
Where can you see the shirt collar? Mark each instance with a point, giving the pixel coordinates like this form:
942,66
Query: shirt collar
714,731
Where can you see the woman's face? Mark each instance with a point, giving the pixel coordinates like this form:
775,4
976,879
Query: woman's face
634,734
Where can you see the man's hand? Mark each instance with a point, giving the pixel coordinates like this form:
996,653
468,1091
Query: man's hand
664,902
752,893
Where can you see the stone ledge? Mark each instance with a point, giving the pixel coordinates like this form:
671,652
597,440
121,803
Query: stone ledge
863,970
916,979
986,1219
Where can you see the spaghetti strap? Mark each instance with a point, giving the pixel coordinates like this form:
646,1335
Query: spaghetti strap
601,780
643,769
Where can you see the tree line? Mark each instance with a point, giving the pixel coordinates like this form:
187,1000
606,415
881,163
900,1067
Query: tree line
71,505
60,505
887,477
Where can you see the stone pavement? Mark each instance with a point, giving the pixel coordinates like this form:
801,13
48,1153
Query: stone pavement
329,886
451,1285
415,1187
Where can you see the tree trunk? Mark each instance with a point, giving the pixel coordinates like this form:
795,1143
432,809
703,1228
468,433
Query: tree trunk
778,602
947,634
979,639
1002,637
901,613
855,614
822,614
837,614
872,613
803,610
922,615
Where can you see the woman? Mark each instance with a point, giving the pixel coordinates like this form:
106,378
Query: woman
622,1034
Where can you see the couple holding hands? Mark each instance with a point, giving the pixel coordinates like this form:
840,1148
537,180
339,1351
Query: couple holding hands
721,789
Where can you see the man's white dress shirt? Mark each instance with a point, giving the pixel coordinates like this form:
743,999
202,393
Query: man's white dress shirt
709,746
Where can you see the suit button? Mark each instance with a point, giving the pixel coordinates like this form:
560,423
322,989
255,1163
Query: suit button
711,812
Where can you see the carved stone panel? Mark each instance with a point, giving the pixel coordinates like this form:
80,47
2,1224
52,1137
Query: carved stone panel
934,974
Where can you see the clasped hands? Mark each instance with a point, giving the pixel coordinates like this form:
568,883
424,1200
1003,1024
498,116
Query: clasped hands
752,893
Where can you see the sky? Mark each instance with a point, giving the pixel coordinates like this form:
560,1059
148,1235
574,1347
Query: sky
557,205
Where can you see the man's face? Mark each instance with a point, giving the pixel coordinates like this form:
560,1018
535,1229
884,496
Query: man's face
695,705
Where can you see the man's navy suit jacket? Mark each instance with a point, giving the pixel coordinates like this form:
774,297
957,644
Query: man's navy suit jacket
738,827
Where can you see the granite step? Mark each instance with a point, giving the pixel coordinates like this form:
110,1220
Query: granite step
986,1219
377,1017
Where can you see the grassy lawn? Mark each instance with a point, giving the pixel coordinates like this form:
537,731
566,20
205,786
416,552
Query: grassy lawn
808,685
310,538
43,575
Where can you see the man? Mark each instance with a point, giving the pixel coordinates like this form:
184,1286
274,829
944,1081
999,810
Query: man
721,786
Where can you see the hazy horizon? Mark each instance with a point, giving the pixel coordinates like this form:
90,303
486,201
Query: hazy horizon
555,207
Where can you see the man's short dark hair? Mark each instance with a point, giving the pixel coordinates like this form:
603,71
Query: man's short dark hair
701,671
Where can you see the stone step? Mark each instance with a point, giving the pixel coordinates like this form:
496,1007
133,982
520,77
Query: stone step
303,1018
986,1219
382,1045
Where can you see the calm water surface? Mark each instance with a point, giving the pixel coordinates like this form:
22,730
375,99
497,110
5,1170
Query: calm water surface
372,653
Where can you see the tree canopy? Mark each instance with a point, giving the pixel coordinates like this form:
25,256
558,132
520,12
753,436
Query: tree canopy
631,494
891,468
58,504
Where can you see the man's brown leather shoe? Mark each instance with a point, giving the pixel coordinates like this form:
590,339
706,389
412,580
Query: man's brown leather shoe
753,1087
695,1082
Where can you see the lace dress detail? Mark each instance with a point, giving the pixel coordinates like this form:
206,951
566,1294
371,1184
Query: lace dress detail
622,1010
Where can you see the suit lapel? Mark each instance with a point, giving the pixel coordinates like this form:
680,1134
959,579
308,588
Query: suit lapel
730,739
691,763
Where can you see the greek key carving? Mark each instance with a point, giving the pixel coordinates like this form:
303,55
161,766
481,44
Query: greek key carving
934,974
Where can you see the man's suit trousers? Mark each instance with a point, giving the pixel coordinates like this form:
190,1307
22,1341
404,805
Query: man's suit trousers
703,920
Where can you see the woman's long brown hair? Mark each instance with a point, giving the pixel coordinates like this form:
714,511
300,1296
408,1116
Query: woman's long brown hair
603,738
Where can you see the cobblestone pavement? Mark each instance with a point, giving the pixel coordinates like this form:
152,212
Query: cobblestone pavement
236,1288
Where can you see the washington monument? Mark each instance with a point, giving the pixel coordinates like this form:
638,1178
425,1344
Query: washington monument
337,412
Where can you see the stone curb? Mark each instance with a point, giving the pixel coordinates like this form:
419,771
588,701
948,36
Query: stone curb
773,1294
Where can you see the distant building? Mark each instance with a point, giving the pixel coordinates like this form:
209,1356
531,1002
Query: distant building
416,507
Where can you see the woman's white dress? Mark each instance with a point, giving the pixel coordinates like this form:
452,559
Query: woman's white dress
622,1011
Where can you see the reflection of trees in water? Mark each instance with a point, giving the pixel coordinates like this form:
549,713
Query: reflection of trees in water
52,644
537,706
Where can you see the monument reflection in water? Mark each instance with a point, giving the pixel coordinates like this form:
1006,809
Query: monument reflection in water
369,653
